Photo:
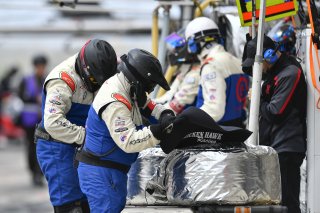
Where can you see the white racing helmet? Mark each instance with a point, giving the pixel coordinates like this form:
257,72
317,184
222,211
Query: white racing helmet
201,29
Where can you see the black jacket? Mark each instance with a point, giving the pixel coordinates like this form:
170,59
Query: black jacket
283,107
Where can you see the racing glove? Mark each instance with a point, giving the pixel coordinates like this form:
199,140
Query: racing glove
164,126
153,109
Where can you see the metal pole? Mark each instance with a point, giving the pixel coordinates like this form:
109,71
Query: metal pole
162,42
256,81
164,34
187,15
253,31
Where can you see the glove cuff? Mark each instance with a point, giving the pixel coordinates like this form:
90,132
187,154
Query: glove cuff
156,130
174,105
148,108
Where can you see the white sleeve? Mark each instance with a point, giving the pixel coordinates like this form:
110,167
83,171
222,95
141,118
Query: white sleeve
187,92
169,94
214,92
123,131
57,105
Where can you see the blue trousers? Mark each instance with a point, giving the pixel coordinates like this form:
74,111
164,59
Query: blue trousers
56,162
105,188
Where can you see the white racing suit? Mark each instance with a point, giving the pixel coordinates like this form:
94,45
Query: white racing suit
114,136
184,89
65,105
223,88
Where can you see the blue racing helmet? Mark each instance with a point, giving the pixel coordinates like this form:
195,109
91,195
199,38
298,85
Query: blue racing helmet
178,50
286,37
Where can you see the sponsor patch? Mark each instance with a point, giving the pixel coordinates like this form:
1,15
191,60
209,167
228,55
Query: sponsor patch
122,129
190,80
209,76
56,98
56,95
54,102
119,122
242,89
123,138
140,140
122,99
52,110
212,97
68,79
66,124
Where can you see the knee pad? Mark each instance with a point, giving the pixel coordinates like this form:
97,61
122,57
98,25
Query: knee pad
74,207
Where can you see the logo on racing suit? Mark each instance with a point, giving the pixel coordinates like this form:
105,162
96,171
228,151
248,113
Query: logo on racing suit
52,110
140,140
242,89
209,76
119,122
53,101
123,138
121,129
190,80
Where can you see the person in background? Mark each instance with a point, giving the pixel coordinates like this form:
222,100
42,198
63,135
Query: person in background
30,93
282,117
115,133
223,85
10,109
68,92
184,89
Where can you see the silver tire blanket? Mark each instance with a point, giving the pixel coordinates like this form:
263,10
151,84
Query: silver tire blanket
142,170
194,177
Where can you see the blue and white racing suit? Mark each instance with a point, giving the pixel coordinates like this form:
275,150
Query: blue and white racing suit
113,134
65,105
184,89
223,87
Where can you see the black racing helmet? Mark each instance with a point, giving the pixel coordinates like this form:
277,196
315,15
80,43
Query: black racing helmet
97,61
144,68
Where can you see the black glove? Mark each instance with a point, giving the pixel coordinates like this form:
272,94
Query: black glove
166,114
148,108
164,126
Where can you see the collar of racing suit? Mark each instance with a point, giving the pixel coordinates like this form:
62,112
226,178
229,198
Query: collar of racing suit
124,83
211,51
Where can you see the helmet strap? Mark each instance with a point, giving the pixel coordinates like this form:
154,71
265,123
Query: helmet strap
83,70
85,80
137,91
